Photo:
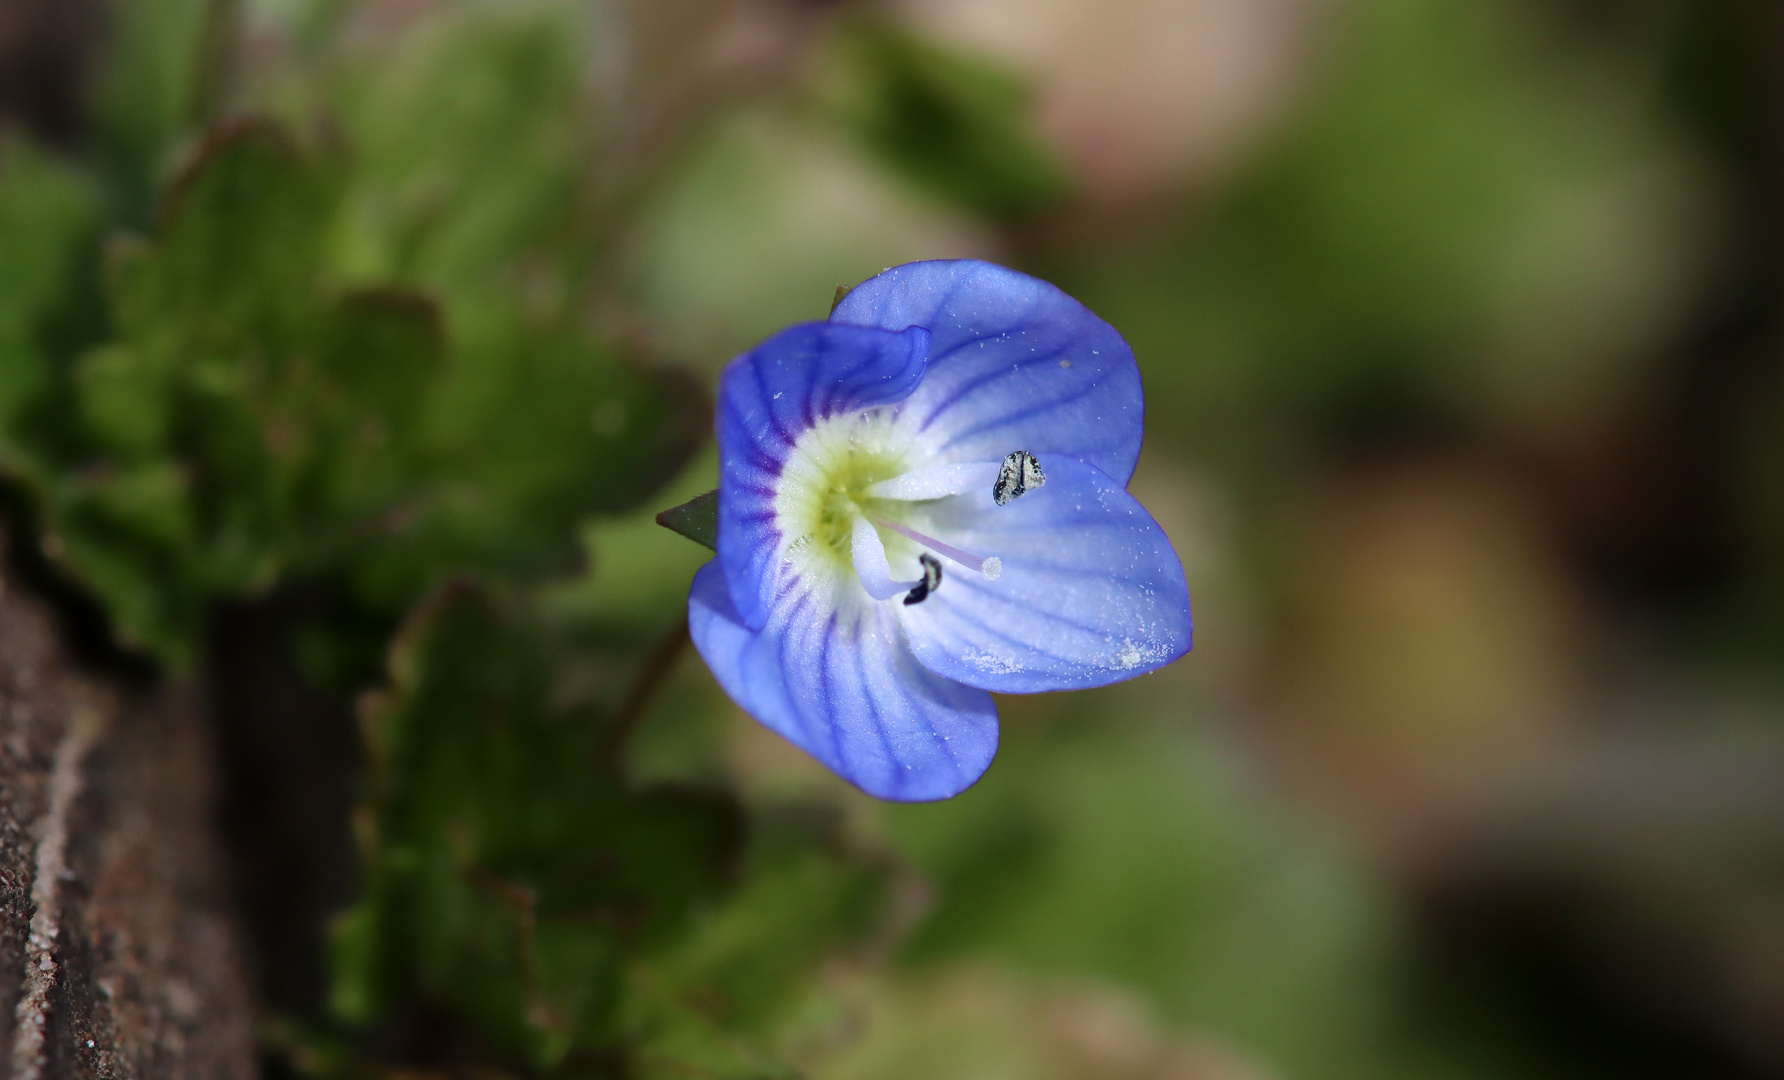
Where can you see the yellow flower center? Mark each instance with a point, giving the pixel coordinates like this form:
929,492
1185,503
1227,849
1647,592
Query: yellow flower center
822,489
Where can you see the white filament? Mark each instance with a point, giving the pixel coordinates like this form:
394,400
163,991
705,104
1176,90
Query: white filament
871,565
937,481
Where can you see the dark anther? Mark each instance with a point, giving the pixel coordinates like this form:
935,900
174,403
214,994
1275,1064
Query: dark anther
932,580
1021,471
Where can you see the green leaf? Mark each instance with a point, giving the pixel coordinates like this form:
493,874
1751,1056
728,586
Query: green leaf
511,871
218,388
717,1002
558,914
48,215
161,65
237,256
365,433
474,139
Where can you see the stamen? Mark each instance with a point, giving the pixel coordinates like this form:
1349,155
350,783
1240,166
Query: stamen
1021,472
871,565
990,566
932,580
935,482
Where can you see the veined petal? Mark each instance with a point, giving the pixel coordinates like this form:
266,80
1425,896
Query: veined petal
1091,591
768,397
840,683
1014,364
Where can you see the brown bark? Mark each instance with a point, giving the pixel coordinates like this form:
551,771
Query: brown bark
117,953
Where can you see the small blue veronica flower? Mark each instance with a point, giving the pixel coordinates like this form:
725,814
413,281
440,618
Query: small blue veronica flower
924,500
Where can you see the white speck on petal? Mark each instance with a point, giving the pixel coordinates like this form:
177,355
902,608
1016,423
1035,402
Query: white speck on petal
992,664
1133,655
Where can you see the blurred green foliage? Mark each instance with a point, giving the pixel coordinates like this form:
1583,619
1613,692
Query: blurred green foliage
1465,223
1132,852
507,866
951,122
48,214
515,880
325,363
379,305
347,320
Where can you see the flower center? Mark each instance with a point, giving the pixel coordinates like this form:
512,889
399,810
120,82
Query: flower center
823,487
845,492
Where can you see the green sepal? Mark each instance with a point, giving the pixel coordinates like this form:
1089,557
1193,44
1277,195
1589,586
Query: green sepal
697,519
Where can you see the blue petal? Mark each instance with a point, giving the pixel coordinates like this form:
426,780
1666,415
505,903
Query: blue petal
1090,591
1014,364
770,396
843,686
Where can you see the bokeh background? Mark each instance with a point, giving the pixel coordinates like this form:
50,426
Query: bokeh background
1466,416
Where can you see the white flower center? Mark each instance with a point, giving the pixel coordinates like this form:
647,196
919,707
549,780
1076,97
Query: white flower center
845,495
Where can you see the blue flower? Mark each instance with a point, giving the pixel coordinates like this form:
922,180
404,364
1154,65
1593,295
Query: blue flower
924,500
